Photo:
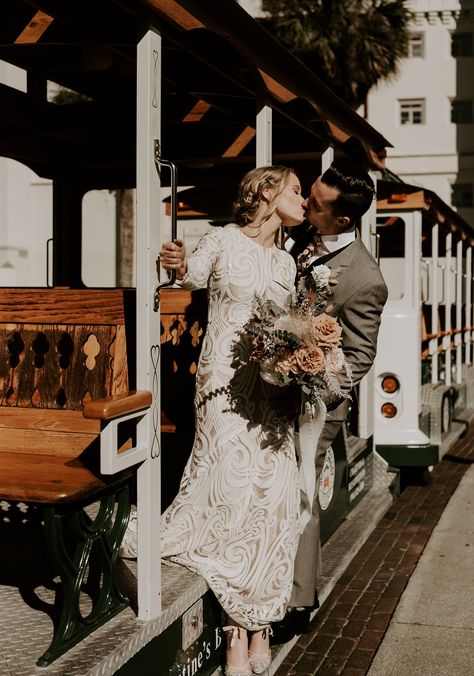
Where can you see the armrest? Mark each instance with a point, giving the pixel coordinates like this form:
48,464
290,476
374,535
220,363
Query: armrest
120,404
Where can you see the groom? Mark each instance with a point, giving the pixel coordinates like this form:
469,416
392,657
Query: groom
337,200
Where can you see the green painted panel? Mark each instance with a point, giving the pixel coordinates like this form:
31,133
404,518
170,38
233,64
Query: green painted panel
333,494
163,655
410,456
360,476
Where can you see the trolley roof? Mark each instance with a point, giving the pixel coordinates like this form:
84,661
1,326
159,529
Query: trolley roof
216,61
400,196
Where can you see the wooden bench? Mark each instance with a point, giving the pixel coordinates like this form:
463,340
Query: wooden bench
64,388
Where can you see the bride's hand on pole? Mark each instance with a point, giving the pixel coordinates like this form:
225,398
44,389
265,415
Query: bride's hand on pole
172,257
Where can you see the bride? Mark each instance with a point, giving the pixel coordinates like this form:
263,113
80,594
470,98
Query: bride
235,520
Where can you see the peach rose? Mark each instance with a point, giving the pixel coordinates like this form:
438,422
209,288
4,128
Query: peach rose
286,363
310,360
325,331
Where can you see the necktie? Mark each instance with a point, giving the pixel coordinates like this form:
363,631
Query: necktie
305,257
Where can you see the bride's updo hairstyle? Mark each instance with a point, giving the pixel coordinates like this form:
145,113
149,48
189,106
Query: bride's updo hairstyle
245,207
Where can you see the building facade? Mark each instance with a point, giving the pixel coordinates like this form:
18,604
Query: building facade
427,110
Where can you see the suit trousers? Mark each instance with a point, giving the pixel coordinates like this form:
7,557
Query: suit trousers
308,564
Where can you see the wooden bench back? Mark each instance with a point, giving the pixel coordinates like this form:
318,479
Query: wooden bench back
59,348
183,325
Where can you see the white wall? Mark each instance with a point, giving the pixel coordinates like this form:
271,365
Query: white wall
438,153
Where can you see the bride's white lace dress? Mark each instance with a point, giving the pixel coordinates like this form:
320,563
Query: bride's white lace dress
235,518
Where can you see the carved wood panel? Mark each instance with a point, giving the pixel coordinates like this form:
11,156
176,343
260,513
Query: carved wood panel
183,325
55,366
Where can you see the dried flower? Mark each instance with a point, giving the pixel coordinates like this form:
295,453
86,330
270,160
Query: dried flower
299,342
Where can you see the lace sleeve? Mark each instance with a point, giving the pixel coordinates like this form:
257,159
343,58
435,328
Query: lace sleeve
202,261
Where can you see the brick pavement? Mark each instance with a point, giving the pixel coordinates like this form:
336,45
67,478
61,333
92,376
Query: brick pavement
349,627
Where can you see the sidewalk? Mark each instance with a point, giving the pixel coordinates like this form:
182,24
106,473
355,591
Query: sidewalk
400,608
432,630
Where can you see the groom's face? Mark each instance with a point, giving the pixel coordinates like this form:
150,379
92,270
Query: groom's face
320,212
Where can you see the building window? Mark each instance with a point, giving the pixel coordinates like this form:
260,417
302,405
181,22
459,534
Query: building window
416,45
461,195
461,44
412,111
461,111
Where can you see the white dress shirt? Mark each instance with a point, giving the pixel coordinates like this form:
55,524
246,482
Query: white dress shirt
329,243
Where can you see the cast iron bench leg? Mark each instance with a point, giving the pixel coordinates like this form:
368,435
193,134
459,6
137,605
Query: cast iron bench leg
84,552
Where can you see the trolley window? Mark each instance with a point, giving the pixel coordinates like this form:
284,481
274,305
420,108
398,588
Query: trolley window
392,235
108,238
26,216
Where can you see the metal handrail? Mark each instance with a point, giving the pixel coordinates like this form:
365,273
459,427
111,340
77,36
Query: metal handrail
159,162
377,245
48,261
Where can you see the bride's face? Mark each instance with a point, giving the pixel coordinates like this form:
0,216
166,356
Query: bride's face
289,203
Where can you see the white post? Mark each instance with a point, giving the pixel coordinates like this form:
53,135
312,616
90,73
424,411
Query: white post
416,262
148,322
458,335
367,384
433,344
326,159
447,310
467,307
264,134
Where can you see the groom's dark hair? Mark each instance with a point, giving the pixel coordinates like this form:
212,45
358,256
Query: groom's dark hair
356,188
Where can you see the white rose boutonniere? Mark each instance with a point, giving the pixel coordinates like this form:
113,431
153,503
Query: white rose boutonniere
321,275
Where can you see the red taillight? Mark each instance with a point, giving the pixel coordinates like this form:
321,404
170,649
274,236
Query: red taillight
390,384
388,410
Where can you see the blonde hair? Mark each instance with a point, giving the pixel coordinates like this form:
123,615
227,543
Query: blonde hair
245,207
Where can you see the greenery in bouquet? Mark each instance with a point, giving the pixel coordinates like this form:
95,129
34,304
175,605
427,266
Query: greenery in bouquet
299,342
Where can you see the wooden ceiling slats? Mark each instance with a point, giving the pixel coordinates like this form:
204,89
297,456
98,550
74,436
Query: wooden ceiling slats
210,75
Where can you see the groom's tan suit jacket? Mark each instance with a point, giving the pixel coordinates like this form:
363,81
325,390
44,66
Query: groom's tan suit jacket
357,302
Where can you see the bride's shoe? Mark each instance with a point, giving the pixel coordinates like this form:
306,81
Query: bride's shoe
233,669
260,661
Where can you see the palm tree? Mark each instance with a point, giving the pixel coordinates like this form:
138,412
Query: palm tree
349,44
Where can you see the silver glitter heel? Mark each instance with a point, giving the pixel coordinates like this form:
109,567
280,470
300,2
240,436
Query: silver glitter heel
259,662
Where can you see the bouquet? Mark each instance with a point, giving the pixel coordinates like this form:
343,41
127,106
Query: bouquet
299,343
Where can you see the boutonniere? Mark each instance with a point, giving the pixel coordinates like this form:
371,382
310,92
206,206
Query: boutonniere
317,287
324,277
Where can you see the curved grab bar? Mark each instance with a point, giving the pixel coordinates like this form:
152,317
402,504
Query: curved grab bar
159,162
376,235
48,261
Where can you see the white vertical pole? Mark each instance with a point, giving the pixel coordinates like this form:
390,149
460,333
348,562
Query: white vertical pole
365,430
368,225
447,309
471,313
264,134
416,261
458,336
467,306
148,322
326,158
433,345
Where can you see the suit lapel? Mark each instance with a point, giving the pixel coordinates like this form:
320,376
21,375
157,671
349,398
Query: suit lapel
341,258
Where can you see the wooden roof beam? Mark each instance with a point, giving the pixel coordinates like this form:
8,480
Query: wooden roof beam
34,29
197,112
240,142
174,11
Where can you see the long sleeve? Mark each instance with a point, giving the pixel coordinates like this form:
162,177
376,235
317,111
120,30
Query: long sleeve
360,320
202,261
